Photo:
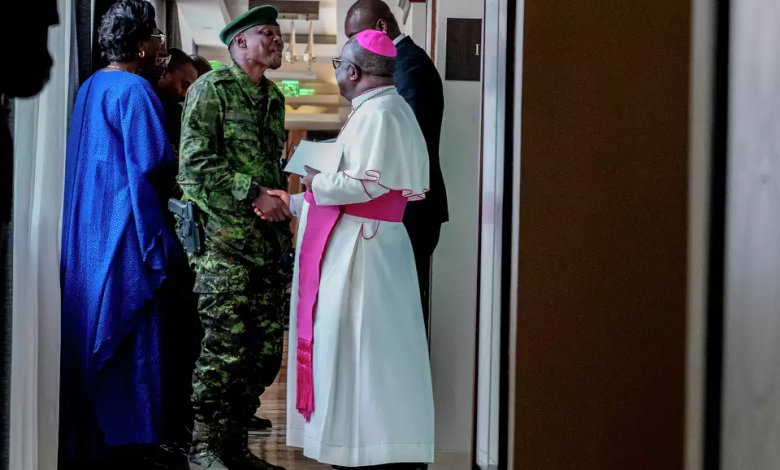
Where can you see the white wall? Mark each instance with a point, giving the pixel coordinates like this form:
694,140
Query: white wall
342,6
416,24
186,34
455,261
341,16
219,53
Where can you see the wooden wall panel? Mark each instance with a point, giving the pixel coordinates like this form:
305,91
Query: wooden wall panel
751,394
600,360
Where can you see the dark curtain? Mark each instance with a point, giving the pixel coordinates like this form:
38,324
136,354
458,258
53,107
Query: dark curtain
6,278
172,28
97,61
82,43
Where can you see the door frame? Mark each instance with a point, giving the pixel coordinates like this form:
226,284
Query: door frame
501,148
497,241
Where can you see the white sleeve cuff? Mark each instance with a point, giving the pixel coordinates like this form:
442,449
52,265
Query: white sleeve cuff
296,203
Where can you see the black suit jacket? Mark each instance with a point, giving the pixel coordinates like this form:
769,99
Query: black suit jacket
418,81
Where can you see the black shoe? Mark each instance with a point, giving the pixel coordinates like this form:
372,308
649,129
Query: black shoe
167,457
240,457
199,458
225,449
260,424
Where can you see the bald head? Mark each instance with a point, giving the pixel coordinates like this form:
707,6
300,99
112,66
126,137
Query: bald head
360,70
371,14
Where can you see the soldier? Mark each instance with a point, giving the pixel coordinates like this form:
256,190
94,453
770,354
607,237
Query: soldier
231,144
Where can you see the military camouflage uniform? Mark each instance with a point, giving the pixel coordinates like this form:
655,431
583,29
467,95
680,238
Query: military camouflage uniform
233,135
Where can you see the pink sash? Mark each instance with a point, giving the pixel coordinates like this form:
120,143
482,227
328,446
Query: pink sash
320,222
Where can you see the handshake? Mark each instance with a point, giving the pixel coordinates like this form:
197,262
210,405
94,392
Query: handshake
274,205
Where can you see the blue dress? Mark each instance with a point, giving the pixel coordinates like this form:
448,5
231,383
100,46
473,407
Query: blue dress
117,250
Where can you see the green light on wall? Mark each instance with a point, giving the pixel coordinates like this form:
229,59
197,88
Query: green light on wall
290,88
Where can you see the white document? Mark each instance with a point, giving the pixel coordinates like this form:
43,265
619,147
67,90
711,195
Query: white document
322,156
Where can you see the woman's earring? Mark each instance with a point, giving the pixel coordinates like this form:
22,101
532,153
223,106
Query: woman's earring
142,54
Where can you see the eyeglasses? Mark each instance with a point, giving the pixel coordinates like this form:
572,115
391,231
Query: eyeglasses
337,62
163,60
160,36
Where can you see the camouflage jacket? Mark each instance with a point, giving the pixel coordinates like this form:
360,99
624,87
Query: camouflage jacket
232,133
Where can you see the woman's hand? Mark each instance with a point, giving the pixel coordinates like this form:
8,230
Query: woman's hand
309,178
272,205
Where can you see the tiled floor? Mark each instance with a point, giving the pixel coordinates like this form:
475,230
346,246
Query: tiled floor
271,445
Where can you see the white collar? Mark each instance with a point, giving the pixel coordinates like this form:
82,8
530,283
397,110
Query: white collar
371,94
400,38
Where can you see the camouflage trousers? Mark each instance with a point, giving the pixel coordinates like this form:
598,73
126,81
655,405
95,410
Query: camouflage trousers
242,309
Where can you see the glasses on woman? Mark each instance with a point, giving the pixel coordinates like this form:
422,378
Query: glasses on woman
162,60
160,36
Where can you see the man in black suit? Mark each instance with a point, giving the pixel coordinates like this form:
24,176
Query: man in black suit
419,83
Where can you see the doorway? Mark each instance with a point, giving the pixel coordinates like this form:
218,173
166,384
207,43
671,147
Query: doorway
454,329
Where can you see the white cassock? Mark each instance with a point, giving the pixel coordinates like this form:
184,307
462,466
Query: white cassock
372,380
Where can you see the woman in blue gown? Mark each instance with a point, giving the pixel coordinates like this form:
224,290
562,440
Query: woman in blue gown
117,247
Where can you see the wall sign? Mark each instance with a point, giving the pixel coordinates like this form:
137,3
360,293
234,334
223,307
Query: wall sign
464,49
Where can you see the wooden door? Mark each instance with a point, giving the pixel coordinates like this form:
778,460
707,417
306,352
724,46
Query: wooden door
600,353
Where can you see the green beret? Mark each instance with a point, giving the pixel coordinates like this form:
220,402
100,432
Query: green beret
257,16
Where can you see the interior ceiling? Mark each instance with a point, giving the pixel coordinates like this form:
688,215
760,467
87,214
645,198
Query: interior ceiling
236,7
206,18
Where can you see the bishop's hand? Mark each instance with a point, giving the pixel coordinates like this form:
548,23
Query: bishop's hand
309,178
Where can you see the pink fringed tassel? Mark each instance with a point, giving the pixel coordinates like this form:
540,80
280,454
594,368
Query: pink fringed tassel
305,384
